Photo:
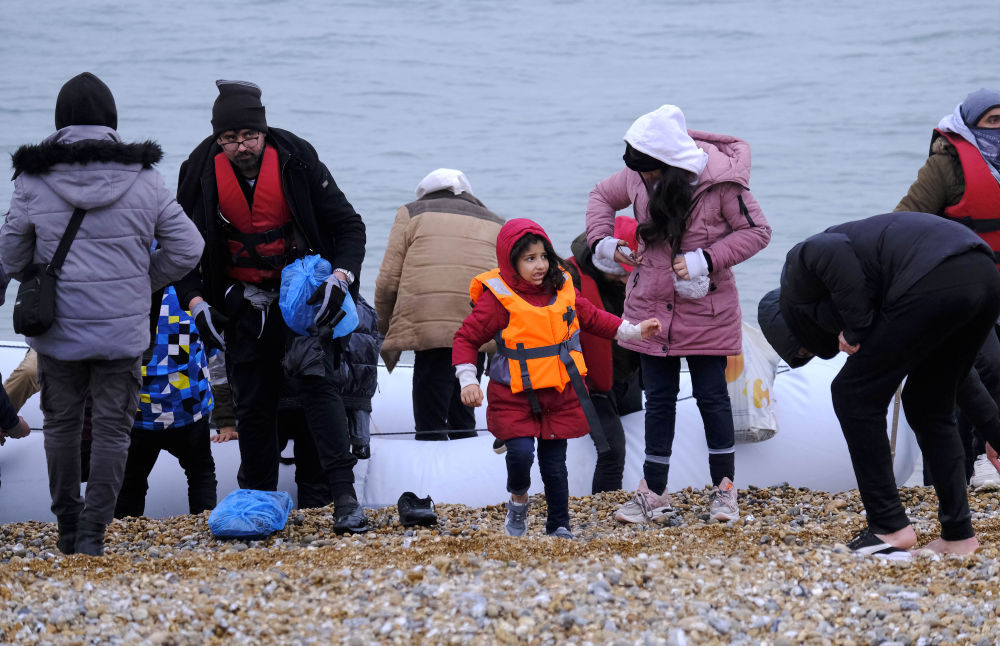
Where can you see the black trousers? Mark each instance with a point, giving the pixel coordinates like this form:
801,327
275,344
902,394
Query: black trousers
930,335
311,482
624,397
193,449
437,403
256,377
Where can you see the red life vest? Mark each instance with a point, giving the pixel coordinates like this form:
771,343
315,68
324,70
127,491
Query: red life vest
979,208
259,239
596,350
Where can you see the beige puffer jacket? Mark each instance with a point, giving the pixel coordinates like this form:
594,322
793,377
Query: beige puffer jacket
436,246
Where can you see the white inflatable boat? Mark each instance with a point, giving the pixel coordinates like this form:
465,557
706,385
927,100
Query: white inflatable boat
807,450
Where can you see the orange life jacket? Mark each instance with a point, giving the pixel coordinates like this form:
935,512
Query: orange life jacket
597,351
538,342
259,240
979,208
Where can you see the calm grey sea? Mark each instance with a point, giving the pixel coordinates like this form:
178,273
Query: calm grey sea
530,99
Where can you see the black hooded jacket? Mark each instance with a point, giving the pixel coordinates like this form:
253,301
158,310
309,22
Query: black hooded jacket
321,213
840,279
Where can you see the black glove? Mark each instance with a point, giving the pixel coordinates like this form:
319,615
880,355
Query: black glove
330,298
211,324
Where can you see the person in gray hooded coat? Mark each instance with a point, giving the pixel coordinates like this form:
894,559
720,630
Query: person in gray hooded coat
103,290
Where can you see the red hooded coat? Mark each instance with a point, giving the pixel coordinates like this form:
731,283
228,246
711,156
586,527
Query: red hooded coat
508,414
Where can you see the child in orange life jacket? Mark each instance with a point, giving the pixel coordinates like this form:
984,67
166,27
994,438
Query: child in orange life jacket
529,306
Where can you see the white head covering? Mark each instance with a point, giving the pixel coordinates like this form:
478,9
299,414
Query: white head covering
444,178
662,134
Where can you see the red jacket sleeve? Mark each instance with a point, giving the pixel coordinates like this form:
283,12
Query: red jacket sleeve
595,320
486,319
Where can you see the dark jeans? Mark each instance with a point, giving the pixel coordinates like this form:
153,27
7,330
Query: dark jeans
193,449
552,465
625,397
661,379
256,377
437,403
930,335
114,388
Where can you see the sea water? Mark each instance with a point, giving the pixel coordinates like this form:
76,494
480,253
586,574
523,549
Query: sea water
529,99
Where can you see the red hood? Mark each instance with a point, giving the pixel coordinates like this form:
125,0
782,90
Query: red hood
510,233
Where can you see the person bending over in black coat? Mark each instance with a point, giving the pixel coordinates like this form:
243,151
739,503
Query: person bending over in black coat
905,295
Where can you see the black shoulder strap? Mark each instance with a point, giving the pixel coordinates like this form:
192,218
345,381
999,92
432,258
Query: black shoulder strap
67,238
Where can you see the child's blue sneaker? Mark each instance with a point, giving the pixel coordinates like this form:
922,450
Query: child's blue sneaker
517,518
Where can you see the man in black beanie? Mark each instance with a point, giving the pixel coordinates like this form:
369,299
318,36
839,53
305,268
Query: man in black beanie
84,172
262,198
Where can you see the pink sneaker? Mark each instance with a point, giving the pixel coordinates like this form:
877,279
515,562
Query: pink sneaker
723,501
645,507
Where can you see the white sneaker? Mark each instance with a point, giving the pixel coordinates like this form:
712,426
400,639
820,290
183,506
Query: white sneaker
723,501
984,475
645,507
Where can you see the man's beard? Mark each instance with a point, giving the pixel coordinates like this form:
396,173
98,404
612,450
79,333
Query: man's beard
249,164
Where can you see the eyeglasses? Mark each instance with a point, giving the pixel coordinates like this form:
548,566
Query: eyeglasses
232,142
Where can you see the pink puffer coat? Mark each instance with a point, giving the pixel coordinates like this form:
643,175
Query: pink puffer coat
726,222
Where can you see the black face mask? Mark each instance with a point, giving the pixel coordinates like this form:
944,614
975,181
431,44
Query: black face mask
988,142
640,162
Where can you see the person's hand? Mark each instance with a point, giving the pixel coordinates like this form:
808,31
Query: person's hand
624,256
225,434
847,347
649,327
681,267
211,324
991,455
472,395
330,298
21,429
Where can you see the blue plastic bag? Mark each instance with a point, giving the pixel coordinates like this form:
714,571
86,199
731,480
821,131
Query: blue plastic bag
299,280
249,512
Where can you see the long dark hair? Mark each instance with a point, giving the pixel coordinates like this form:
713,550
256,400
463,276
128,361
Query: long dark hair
669,209
554,276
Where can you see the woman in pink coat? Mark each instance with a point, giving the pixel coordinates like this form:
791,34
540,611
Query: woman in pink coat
690,193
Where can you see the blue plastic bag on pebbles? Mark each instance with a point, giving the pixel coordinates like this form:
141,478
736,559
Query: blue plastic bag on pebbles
249,512
299,280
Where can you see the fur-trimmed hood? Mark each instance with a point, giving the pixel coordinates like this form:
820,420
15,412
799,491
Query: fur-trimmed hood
83,145
87,166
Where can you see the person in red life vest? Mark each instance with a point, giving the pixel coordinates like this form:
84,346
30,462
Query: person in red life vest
262,198
690,192
961,181
529,307
613,376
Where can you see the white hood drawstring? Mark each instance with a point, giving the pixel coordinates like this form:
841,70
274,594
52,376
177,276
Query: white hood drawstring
662,134
444,178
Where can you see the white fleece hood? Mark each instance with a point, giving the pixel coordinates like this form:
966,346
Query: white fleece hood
444,178
662,134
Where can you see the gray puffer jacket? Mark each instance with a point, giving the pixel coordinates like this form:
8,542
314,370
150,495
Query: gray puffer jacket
104,288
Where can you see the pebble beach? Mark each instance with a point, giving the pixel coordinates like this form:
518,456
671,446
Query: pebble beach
781,574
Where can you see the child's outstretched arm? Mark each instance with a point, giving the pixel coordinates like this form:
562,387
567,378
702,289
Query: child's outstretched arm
630,332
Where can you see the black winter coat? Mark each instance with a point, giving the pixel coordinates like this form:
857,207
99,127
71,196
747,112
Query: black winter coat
322,215
840,279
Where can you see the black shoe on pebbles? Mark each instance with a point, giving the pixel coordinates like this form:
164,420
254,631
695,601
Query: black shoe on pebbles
415,511
865,543
349,517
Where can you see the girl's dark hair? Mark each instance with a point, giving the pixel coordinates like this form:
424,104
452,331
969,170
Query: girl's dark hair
669,209
554,276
